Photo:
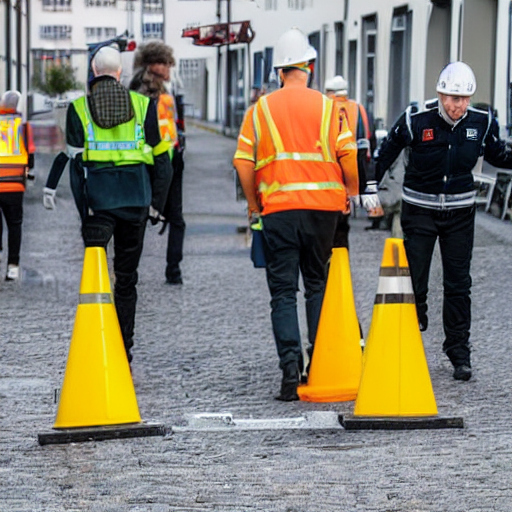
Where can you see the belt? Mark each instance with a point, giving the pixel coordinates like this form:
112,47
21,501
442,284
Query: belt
439,201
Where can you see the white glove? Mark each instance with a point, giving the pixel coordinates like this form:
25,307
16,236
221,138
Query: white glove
155,216
370,201
49,198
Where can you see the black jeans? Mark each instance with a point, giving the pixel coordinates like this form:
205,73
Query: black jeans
296,240
173,212
128,235
11,205
455,230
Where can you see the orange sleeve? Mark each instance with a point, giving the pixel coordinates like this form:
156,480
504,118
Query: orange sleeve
246,145
346,154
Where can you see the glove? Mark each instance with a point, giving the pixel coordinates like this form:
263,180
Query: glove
370,201
155,216
49,198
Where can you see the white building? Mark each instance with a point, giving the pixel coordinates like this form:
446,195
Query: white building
62,29
391,51
14,45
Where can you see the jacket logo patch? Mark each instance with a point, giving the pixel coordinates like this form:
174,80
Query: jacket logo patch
428,134
471,133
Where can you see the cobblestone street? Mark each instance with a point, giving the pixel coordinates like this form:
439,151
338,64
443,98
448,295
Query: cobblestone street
207,347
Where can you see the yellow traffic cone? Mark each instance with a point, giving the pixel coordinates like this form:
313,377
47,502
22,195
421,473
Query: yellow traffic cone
335,369
98,389
395,381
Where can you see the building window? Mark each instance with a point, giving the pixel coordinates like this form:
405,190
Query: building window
56,5
98,34
270,5
100,3
299,5
152,30
152,5
339,42
55,32
369,65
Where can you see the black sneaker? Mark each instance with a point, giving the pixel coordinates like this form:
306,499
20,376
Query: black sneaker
462,372
174,280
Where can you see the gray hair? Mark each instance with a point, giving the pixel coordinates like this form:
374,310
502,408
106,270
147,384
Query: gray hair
10,99
107,61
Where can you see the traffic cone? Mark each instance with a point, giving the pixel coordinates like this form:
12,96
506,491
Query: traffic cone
395,381
335,368
98,389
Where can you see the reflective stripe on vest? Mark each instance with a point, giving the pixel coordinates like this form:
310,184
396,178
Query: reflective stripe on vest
13,153
12,144
280,153
294,187
99,145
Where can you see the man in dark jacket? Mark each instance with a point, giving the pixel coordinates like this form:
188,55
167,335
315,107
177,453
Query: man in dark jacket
445,141
120,173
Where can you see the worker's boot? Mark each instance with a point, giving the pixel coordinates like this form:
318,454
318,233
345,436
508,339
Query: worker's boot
289,383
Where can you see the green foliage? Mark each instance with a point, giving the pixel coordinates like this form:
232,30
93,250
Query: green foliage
58,80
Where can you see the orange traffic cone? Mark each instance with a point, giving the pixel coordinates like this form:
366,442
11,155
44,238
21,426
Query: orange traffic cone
395,381
335,368
98,389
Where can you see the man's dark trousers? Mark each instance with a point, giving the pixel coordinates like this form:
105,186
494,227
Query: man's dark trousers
455,230
173,212
11,204
296,240
127,226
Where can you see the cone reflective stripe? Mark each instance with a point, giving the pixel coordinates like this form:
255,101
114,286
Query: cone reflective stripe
335,369
395,379
97,388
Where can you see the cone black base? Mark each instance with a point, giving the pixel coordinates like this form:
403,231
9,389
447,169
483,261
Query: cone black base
401,423
80,435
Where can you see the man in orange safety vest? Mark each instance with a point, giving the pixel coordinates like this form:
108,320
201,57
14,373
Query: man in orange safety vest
16,158
297,168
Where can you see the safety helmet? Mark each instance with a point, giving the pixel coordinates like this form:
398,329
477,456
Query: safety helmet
10,100
337,84
293,48
457,79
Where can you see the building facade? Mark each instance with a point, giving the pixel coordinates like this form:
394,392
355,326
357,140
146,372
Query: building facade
14,45
390,51
62,29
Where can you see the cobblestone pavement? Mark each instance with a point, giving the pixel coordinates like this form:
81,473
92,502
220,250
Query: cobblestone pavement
207,346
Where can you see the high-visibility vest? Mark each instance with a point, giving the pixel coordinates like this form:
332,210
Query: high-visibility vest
357,120
167,123
13,153
295,152
123,144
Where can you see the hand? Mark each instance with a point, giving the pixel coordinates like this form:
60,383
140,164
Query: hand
253,211
49,198
370,201
355,201
155,216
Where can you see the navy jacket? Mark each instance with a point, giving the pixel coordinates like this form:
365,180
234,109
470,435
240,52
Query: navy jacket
442,156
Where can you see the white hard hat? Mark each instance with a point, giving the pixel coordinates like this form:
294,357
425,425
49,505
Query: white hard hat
457,79
10,99
337,84
293,48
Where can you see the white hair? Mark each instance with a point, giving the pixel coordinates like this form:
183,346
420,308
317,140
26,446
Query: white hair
107,61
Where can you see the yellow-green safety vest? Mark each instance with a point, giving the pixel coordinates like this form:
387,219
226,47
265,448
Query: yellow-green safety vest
123,144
